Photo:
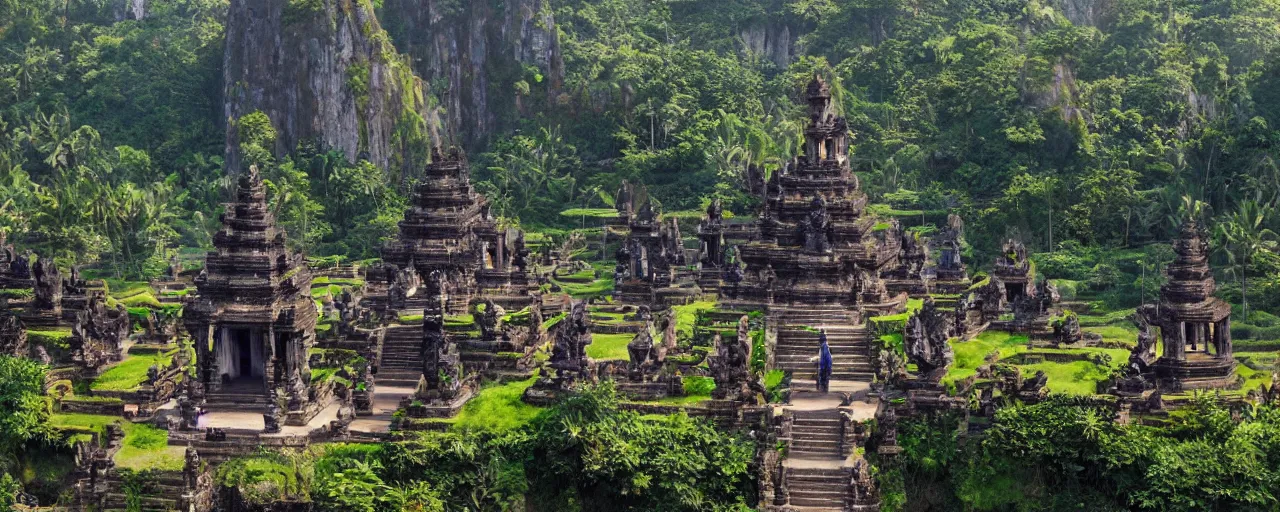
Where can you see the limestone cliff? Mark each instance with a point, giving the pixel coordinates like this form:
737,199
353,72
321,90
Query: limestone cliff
324,70
1089,13
491,61
774,42
130,9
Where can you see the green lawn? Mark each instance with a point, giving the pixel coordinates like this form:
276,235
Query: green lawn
497,407
331,290
681,401
594,213
599,287
129,374
1253,379
687,316
1075,378
609,347
1126,334
145,446
144,299
125,289
58,337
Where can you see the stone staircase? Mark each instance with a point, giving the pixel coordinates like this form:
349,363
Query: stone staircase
816,474
236,398
160,492
797,343
710,281
401,360
817,489
816,435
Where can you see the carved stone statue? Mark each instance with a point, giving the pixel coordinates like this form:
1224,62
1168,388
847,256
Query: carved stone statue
13,337
640,350
490,320
42,356
1067,330
730,364
441,364
864,494
191,468
960,318
569,353
715,213
273,417
48,288
520,254
926,337
816,229
187,409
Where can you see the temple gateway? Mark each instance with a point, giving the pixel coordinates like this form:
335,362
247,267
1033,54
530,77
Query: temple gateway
254,319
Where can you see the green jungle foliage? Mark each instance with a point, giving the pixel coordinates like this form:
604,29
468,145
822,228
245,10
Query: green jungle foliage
1005,111
584,453
1065,454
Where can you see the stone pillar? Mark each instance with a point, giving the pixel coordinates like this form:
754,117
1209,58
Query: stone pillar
1175,344
1223,335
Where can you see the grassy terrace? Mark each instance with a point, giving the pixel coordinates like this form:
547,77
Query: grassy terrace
1073,378
609,347
496,408
598,288
57,337
145,446
129,374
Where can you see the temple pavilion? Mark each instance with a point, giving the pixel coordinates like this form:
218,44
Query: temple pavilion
253,320
1194,325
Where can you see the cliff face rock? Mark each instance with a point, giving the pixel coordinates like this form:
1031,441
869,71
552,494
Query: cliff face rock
324,70
130,9
490,61
1088,13
772,42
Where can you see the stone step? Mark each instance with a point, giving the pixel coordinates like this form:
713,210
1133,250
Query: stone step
816,434
814,450
833,500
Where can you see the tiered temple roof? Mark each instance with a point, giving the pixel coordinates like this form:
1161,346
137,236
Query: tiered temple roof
1195,325
814,236
448,228
254,318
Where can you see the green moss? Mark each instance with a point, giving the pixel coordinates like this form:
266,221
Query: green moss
17,293
458,320
144,299
129,374
609,347
1253,379
595,213
497,407
120,289
1074,377
551,322
331,290
597,288
679,401
50,338
145,447
686,317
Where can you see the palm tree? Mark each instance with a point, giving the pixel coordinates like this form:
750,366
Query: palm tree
1244,229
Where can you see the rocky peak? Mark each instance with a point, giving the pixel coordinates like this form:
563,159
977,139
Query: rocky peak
483,55
324,70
